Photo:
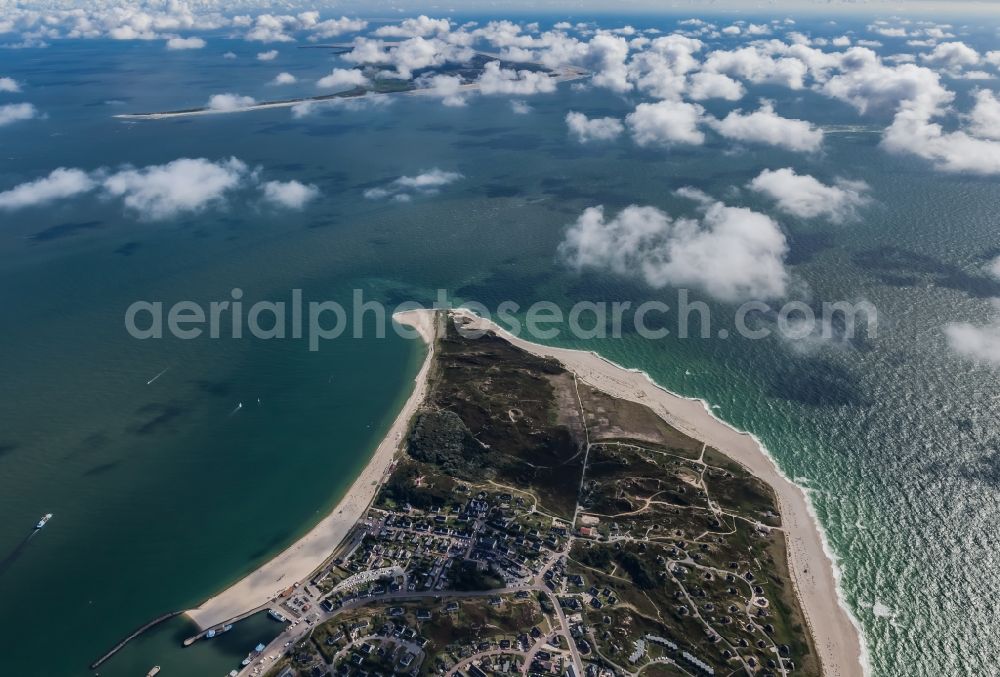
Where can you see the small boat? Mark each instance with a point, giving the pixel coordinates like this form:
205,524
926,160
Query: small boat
42,522
253,654
276,615
155,670
215,632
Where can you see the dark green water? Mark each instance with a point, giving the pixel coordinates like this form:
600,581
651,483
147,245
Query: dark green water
163,494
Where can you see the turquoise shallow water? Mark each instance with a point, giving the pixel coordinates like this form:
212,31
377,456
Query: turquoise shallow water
163,493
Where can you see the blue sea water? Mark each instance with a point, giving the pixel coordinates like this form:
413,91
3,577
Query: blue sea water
166,492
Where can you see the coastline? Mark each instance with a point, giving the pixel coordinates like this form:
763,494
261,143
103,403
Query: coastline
300,559
836,633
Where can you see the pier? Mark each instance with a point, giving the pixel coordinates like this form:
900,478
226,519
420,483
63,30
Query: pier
121,645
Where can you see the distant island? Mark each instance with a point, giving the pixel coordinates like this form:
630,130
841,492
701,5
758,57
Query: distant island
468,73
541,510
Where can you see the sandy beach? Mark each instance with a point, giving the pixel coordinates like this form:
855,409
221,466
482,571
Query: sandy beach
299,560
836,633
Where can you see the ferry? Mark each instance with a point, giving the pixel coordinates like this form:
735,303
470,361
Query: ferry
42,522
253,654
155,670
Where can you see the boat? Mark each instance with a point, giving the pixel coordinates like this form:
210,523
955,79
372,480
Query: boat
155,670
42,522
276,615
253,654
215,632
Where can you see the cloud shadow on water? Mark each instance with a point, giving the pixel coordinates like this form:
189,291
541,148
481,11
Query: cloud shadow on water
901,268
65,230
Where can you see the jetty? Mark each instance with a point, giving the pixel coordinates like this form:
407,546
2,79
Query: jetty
138,631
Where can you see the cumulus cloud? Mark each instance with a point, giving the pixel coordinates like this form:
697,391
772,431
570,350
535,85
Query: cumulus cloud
756,66
951,56
912,132
229,55
666,123
185,43
331,28
422,26
14,112
519,107
732,253
59,184
585,129
980,343
184,185
343,79
289,194
804,196
9,85
764,126
705,85
269,55
497,80
225,103
985,115
284,79
403,188
448,88
869,85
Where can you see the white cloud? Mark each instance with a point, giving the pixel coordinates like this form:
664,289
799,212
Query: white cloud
704,85
803,196
666,122
732,253
585,129
14,112
422,26
284,79
951,56
9,85
869,85
985,115
184,185
290,194
229,102
994,268
185,43
753,65
606,56
59,184
767,127
448,88
912,132
980,343
497,80
408,55
270,28
229,55
269,55
403,188
343,79
331,28
519,107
